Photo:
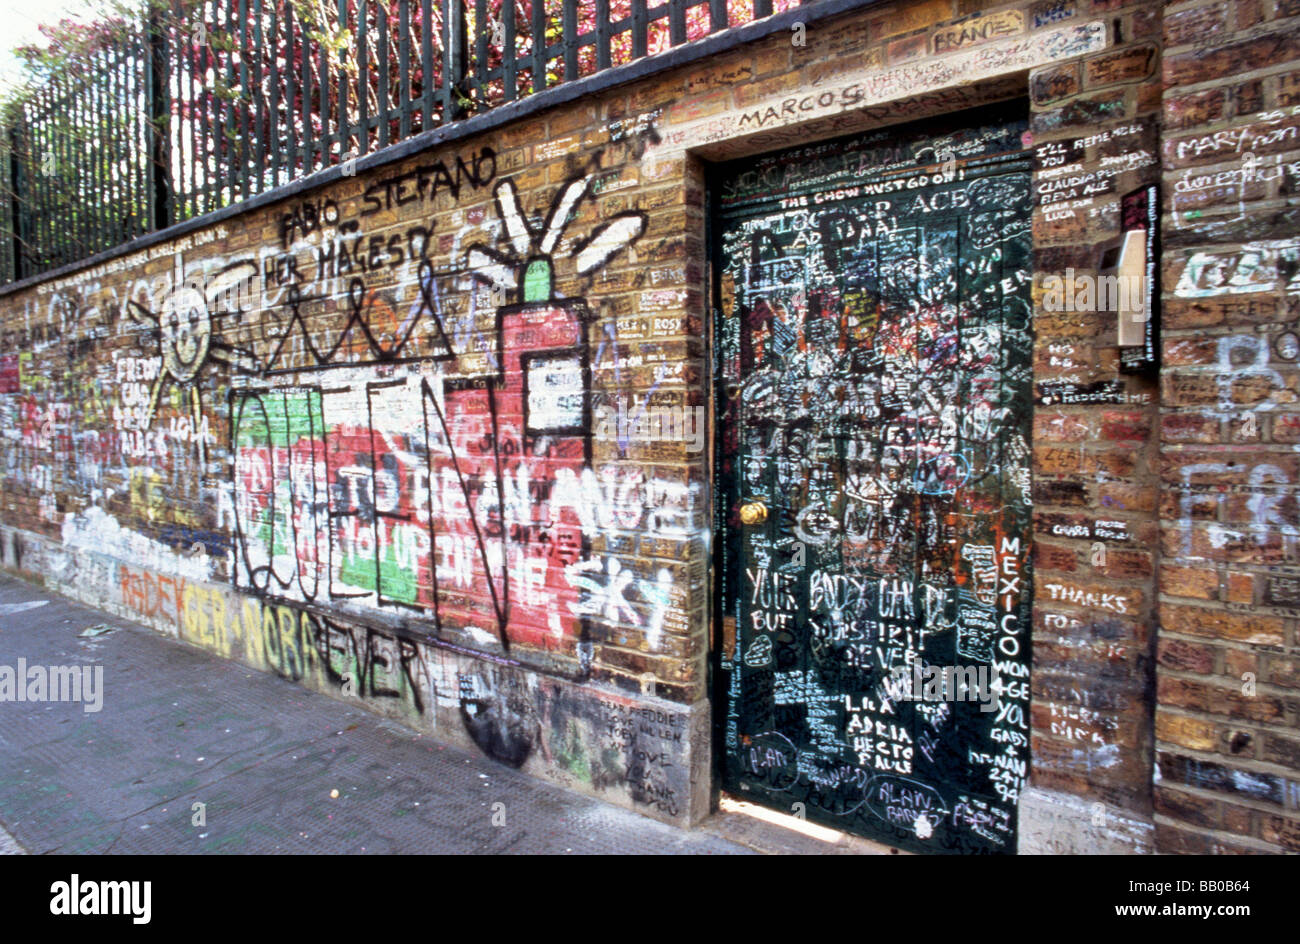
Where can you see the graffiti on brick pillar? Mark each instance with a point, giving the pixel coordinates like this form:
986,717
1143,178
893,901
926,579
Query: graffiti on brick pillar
874,344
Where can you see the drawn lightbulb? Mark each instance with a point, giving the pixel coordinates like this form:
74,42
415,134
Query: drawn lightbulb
527,263
538,404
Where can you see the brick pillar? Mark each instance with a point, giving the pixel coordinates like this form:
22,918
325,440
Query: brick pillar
1095,135
1227,751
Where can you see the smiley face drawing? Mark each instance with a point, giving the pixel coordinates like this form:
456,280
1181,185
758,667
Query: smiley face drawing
185,332
184,329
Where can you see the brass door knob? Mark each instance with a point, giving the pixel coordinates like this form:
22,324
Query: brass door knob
753,513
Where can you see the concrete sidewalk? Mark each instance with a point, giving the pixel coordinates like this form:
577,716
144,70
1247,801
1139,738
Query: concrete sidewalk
179,727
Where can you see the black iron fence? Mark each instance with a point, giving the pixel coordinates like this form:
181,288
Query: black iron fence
202,103
77,155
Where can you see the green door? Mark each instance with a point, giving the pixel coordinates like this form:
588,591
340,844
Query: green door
873,348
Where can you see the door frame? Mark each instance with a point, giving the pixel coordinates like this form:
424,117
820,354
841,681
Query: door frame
1017,106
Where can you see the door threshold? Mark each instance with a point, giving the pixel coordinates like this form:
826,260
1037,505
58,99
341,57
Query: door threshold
775,833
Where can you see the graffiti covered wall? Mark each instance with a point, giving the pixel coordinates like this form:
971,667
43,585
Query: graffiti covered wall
377,440
1227,751
436,437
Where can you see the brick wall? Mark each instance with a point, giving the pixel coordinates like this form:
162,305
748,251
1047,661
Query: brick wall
1227,753
369,438
1096,135
283,473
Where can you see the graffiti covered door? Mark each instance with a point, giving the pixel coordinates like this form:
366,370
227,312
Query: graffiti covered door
873,344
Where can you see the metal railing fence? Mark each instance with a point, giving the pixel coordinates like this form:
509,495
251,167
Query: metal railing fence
202,103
